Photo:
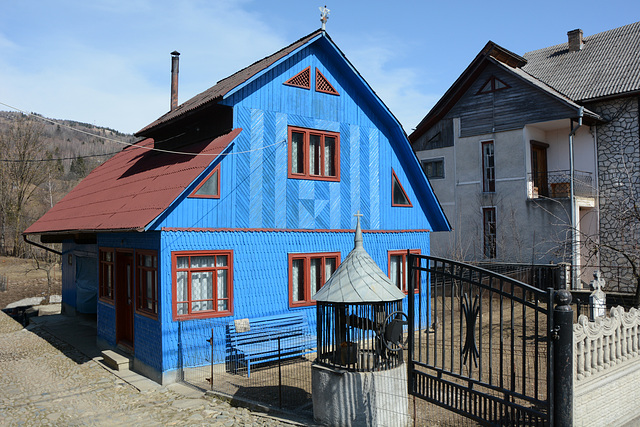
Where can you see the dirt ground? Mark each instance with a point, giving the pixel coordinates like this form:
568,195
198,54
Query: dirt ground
19,279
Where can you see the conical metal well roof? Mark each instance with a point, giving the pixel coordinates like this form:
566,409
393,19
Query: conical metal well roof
358,279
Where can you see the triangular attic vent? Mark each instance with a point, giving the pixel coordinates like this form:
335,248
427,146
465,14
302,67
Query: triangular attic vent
302,79
323,85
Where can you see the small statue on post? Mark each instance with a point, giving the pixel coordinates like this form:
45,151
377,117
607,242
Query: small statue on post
597,299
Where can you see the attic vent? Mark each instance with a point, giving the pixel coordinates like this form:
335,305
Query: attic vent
323,85
302,79
492,85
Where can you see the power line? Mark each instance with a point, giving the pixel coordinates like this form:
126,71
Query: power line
135,145
57,159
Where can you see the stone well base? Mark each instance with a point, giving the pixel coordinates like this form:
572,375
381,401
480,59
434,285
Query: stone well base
342,398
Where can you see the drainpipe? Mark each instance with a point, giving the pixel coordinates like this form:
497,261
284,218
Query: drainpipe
573,222
24,236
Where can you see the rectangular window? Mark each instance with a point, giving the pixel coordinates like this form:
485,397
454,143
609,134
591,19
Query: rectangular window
433,168
147,281
307,274
106,272
202,284
488,167
398,271
314,154
489,230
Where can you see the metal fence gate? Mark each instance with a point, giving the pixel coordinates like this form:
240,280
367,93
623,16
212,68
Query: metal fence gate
486,350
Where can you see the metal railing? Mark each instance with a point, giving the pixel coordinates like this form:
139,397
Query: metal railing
557,184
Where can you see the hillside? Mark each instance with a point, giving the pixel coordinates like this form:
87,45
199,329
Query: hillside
35,176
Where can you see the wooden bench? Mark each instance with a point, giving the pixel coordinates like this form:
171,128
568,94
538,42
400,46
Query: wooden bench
269,339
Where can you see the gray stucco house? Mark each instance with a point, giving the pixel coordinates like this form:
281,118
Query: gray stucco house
530,156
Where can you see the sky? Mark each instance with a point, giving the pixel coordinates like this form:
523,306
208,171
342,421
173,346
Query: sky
107,62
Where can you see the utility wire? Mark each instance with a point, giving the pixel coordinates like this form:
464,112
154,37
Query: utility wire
135,145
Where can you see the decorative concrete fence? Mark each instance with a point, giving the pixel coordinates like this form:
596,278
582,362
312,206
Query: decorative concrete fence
607,368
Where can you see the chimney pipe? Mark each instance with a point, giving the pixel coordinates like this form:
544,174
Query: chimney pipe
175,59
575,40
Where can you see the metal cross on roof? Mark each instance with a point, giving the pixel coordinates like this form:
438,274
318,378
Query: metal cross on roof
324,16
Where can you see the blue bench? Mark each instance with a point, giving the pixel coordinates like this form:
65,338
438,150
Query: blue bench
259,344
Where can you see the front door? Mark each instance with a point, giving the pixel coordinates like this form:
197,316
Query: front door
124,298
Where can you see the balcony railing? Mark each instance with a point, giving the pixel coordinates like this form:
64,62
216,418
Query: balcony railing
556,184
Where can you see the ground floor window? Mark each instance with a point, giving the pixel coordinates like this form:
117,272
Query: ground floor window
489,231
202,284
307,274
398,271
106,274
147,281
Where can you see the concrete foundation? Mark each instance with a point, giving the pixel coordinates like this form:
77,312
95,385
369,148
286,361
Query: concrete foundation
342,398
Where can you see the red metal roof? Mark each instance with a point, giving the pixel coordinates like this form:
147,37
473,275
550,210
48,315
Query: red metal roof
131,189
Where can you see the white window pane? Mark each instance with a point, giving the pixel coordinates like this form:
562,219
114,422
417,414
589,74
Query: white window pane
181,285
297,152
329,156
395,270
182,262
297,279
182,308
315,275
329,268
221,261
222,284
202,261
314,154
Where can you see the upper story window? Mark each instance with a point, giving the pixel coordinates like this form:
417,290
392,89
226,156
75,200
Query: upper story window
398,195
398,270
323,85
492,85
314,154
147,281
106,273
433,168
209,188
307,274
202,284
488,167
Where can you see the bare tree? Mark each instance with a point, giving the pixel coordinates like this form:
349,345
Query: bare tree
21,174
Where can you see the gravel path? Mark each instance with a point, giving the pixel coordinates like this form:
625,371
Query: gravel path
44,381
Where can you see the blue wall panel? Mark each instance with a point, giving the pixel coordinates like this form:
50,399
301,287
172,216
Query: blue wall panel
106,322
260,276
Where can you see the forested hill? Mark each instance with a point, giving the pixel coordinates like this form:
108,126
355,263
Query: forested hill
40,162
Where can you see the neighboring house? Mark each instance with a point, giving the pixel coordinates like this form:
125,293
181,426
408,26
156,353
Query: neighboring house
497,150
254,219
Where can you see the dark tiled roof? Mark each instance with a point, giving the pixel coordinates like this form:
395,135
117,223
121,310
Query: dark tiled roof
217,92
131,189
607,65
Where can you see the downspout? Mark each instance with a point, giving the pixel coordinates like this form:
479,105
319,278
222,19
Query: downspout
573,222
24,236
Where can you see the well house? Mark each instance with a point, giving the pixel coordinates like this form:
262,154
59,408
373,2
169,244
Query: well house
239,203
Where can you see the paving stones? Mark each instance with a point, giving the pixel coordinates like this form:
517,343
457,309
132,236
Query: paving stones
44,386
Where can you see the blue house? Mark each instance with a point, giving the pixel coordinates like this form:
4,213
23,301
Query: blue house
239,203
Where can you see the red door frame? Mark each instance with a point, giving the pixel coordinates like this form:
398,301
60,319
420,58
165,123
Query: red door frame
124,297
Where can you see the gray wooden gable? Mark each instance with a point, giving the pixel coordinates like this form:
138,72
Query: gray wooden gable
506,109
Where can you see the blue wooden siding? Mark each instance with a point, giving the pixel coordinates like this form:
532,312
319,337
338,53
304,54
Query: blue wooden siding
255,190
260,273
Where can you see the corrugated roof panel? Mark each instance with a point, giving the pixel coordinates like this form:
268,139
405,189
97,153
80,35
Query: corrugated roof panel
129,190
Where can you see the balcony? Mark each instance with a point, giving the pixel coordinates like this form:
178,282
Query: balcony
556,184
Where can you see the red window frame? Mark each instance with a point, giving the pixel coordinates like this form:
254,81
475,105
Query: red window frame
106,279
306,285
193,194
394,179
403,254
306,173
147,283
214,312
488,167
489,229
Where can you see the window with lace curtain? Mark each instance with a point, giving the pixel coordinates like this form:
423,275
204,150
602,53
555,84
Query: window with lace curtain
202,284
307,274
398,270
314,154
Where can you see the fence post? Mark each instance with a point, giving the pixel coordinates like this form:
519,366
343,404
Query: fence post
279,373
562,335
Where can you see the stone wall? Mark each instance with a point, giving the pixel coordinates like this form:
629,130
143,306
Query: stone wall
607,369
619,181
